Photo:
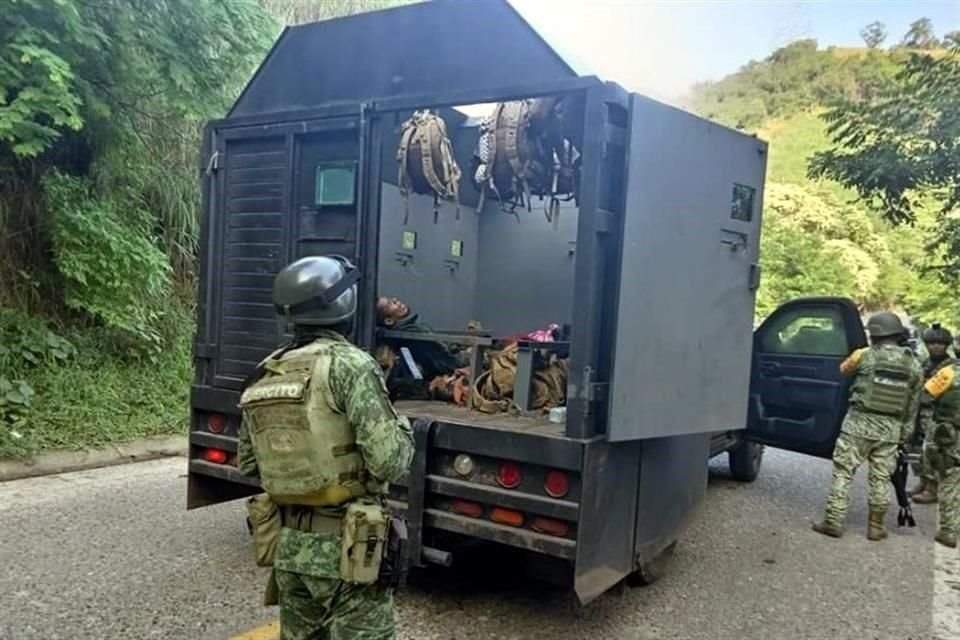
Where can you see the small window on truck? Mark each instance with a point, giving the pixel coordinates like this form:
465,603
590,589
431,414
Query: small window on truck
335,184
818,331
742,206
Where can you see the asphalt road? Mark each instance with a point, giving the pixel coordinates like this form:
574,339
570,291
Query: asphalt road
113,554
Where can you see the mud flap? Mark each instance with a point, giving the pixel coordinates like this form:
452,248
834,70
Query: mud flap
608,508
416,490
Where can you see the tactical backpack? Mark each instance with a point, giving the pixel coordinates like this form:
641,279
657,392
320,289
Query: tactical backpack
522,152
426,162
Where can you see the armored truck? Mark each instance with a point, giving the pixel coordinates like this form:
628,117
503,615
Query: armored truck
652,265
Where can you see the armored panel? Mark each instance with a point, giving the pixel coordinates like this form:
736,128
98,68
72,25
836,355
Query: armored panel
430,265
431,48
688,276
253,214
526,274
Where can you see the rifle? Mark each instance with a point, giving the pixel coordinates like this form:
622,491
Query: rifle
899,480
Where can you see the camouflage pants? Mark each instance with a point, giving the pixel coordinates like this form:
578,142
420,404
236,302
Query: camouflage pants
326,609
930,451
850,452
945,462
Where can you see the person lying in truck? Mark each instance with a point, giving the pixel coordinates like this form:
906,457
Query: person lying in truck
409,366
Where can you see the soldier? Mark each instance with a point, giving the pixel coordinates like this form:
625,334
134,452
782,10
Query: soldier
940,416
883,407
937,340
321,435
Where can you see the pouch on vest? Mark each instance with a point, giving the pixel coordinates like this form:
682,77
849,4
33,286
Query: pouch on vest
364,537
263,519
887,392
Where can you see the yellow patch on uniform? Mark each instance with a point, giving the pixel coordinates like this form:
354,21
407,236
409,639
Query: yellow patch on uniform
941,382
853,360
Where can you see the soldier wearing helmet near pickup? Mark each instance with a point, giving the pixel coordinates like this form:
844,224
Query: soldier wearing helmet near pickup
883,407
940,417
937,340
321,435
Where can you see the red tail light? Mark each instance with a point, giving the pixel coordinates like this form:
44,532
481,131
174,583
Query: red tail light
508,475
217,456
216,423
550,527
465,508
556,484
506,516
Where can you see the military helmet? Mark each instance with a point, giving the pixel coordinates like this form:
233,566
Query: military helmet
937,334
317,290
884,325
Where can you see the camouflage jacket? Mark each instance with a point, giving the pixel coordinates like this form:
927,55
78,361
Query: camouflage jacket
882,428
384,439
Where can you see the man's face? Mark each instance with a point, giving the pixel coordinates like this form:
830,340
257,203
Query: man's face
936,349
392,309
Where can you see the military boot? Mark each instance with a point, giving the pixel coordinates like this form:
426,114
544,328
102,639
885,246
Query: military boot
828,529
918,488
875,529
946,539
928,496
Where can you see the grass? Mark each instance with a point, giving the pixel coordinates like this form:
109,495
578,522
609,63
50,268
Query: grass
99,397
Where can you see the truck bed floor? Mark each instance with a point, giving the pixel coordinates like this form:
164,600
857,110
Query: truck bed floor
453,414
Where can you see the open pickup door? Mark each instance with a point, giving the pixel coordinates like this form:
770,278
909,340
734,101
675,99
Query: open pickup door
797,395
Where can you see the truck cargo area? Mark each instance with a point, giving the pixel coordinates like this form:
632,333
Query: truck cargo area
652,266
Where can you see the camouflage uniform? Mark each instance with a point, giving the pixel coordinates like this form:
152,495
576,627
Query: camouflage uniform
869,437
314,601
927,473
940,416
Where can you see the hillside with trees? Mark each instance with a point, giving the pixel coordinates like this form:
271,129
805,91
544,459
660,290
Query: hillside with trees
101,107
862,178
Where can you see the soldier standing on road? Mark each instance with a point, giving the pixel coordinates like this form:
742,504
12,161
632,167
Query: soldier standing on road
937,340
940,417
883,407
322,436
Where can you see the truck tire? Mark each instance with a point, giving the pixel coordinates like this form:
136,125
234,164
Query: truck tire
745,460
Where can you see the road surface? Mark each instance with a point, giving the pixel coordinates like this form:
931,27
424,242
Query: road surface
112,553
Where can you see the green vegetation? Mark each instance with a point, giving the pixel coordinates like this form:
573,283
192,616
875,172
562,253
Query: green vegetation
101,105
825,237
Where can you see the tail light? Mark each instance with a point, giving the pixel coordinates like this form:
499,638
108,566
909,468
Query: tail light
466,508
550,526
508,475
506,516
216,423
217,456
556,484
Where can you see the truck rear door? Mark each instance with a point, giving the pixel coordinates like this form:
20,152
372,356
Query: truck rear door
797,395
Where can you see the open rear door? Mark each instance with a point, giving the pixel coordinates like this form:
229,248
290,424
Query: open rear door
797,395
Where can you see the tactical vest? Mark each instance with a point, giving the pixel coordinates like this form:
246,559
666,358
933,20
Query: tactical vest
306,450
883,382
947,408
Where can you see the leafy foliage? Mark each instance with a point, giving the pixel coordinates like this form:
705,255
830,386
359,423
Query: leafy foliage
111,269
904,145
920,35
874,34
24,345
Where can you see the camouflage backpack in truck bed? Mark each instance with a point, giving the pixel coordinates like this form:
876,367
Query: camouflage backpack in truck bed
522,152
426,162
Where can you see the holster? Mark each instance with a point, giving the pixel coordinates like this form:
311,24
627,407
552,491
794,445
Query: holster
396,561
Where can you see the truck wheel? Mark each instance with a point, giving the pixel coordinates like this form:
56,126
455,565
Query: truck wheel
649,572
745,460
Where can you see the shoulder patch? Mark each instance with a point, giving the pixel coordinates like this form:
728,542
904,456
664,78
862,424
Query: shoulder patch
941,382
853,360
